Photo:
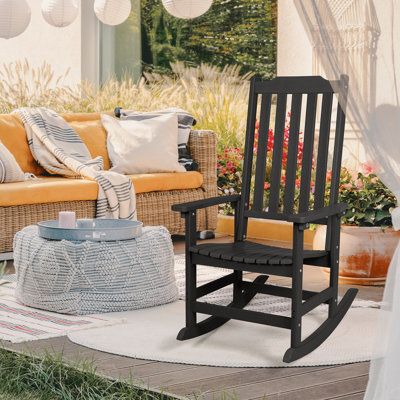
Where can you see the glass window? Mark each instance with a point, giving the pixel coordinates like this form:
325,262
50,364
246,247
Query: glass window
120,47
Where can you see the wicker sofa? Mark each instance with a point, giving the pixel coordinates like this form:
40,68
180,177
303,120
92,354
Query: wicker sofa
25,203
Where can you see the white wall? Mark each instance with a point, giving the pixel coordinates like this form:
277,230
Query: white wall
60,47
294,48
295,57
80,47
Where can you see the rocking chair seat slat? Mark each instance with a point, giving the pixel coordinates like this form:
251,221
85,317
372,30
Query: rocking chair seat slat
252,253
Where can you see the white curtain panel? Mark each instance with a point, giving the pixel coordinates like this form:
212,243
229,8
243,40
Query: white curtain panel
361,38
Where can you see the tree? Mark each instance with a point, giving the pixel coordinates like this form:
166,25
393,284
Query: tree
239,32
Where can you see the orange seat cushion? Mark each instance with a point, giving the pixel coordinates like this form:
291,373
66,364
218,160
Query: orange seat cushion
163,181
58,189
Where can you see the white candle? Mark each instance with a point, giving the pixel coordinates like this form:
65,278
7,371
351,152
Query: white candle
67,219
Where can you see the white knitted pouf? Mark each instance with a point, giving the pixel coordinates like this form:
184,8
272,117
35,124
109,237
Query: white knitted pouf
94,277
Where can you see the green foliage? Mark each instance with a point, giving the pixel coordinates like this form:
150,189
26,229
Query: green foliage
229,170
29,378
369,200
239,32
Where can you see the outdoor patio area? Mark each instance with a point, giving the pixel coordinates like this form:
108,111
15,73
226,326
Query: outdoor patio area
345,382
199,199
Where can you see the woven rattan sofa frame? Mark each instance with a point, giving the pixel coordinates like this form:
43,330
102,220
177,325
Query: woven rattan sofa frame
246,256
154,208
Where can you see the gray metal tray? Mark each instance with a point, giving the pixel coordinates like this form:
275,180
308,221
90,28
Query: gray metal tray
95,230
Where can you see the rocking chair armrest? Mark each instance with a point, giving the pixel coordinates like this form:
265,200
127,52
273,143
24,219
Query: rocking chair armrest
317,215
204,203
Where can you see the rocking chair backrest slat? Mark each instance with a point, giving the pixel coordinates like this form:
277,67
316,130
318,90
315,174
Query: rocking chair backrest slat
323,148
276,170
308,152
248,161
339,138
263,132
294,131
282,150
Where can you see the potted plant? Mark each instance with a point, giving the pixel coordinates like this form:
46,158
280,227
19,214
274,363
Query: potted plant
368,240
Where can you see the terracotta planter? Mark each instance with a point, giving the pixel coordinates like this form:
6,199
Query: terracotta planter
365,253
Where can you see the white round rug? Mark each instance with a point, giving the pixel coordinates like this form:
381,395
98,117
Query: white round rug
151,334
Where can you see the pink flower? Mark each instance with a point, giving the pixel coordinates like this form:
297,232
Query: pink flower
367,169
359,184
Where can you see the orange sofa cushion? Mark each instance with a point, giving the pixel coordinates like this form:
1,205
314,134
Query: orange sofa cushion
13,136
90,129
94,136
58,189
87,125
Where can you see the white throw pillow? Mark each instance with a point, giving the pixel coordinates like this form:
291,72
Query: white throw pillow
10,171
140,147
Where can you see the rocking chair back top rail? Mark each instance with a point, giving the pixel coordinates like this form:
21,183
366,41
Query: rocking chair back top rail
295,174
256,148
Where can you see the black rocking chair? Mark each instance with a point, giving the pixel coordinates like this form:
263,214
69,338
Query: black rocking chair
243,255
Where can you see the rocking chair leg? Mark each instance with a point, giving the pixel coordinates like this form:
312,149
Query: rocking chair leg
297,287
211,323
322,333
237,286
299,348
334,264
191,281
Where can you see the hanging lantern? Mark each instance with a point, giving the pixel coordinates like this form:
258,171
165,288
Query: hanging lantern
187,9
15,16
60,13
112,12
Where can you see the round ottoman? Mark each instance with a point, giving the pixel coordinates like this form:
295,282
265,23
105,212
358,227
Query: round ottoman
95,277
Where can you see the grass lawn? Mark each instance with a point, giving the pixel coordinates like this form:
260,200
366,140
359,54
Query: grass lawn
23,396
31,378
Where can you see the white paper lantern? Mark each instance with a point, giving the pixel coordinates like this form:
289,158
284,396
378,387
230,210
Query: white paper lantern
187,9
15,16
112,12
60,13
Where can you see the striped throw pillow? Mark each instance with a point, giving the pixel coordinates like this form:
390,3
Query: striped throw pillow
10,171
185,123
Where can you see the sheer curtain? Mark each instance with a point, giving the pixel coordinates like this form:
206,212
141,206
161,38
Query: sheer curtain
361,38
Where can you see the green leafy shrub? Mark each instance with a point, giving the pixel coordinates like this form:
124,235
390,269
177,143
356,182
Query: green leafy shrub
369,200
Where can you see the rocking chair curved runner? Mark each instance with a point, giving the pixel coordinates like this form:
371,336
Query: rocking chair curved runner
243,255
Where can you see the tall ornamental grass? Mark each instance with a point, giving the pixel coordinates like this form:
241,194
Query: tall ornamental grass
216,97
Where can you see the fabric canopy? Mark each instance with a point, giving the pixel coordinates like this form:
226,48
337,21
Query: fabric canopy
361,38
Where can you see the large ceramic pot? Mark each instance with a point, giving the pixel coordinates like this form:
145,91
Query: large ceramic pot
365,253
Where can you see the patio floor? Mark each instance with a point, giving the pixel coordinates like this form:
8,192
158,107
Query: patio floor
345,382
